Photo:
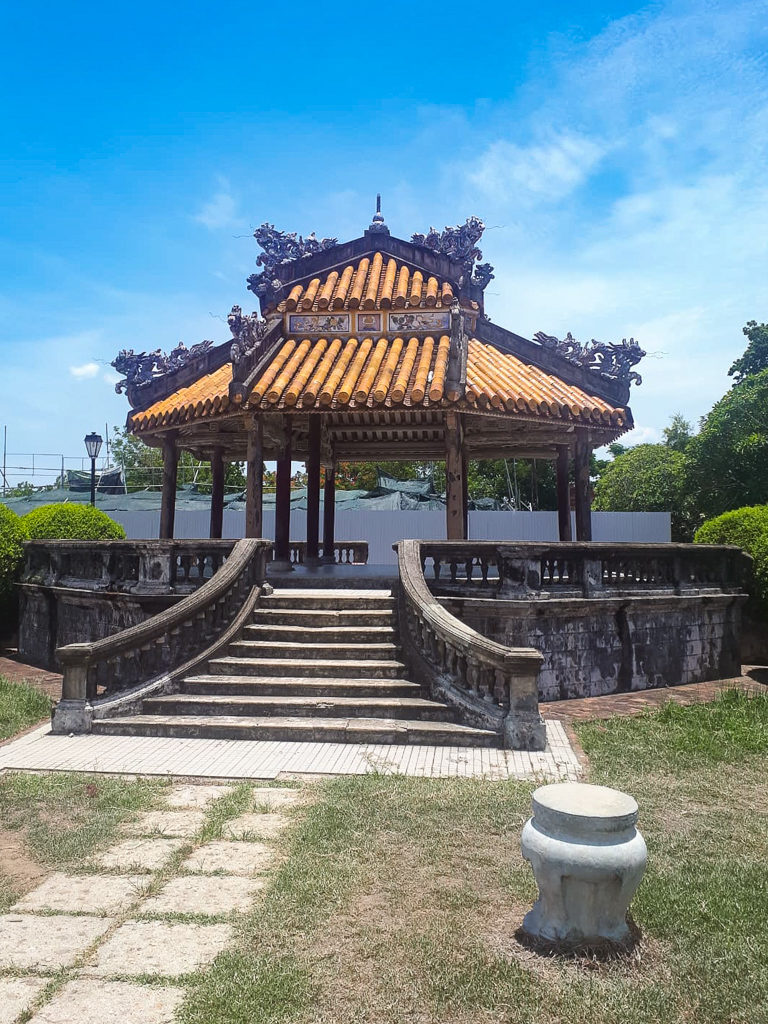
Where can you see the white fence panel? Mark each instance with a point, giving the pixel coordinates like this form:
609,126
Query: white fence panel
383,528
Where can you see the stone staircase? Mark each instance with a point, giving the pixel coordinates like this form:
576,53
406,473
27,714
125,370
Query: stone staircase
314,665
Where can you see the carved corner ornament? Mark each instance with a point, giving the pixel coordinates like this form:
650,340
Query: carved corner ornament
281,247
142,368
460,243
612,360
248,332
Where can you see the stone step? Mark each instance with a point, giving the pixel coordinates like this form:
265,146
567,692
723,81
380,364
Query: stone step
312,687
312,635
259,705
370,600
306,617
318,730
298,652
333,668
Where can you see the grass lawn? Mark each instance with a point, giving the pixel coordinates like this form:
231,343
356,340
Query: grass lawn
399,898
20,706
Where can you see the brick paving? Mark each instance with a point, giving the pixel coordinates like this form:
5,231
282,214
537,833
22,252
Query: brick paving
754,680
19,672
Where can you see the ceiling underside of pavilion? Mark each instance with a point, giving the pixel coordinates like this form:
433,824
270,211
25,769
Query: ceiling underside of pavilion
396,375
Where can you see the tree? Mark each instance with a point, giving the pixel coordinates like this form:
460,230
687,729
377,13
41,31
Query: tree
728,458
647,478
142,465
678,434
755,357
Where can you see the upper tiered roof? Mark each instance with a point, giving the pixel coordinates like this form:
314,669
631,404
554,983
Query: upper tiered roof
386,328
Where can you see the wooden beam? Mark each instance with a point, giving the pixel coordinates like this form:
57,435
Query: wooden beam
170,474
254,489
563,493
583,502
313,491
455,512
217,493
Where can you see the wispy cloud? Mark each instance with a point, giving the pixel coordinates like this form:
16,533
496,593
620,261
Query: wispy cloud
85,371
221,209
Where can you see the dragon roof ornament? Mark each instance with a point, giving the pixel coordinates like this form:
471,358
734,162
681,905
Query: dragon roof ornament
281,247
248,331
613,360
142,368
460,243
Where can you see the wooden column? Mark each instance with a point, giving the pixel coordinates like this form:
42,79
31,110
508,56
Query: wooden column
583,503
329,513
313,491
464,497
254,488
455,510
563,493
217,493
168,500
282,557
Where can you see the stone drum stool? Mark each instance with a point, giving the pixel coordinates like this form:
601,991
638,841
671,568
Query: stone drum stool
588,859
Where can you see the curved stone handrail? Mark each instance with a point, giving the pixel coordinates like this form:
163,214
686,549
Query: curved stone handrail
491,685
161,642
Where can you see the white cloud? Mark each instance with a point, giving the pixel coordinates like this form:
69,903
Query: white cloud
86,371
546,171
221,209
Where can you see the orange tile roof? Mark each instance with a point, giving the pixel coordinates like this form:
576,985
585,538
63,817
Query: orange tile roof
367,373
374,282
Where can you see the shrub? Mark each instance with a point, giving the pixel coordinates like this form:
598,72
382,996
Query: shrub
71,522
12,536
747,528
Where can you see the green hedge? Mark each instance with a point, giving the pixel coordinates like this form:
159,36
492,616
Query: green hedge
747,528
71,522
12,536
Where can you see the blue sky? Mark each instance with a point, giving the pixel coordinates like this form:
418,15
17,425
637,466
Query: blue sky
617,153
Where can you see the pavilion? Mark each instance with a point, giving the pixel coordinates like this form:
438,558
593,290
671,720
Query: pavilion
376,348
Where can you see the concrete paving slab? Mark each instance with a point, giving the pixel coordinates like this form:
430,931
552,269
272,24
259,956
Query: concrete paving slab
195,796
46,943
167,823
91,1001
230,858
17,994
255,826
274,797
84,894
157,947
139,854
204,894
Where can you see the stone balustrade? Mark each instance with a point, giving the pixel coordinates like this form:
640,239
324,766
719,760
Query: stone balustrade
489,569
176,637
490,685
134,567
345,552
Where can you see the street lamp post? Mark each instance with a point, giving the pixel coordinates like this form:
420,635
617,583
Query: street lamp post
93,447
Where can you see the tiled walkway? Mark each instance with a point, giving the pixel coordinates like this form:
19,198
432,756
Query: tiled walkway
250,759
117,944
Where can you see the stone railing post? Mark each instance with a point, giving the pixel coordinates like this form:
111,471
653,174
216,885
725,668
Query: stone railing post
523,726
73,713
592,577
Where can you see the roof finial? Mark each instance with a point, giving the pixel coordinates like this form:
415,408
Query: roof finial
378,224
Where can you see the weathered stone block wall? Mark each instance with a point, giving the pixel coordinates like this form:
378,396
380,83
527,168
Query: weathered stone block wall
54,616
614,645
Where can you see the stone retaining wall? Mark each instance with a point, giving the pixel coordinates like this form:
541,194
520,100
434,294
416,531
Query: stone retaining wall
614,645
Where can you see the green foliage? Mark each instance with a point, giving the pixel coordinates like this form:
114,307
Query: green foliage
728,458
21,705
143,466
678,434
648,478
755,358
71,522
747,528
12,536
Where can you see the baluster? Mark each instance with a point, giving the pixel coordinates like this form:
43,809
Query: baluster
454,570
436,567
